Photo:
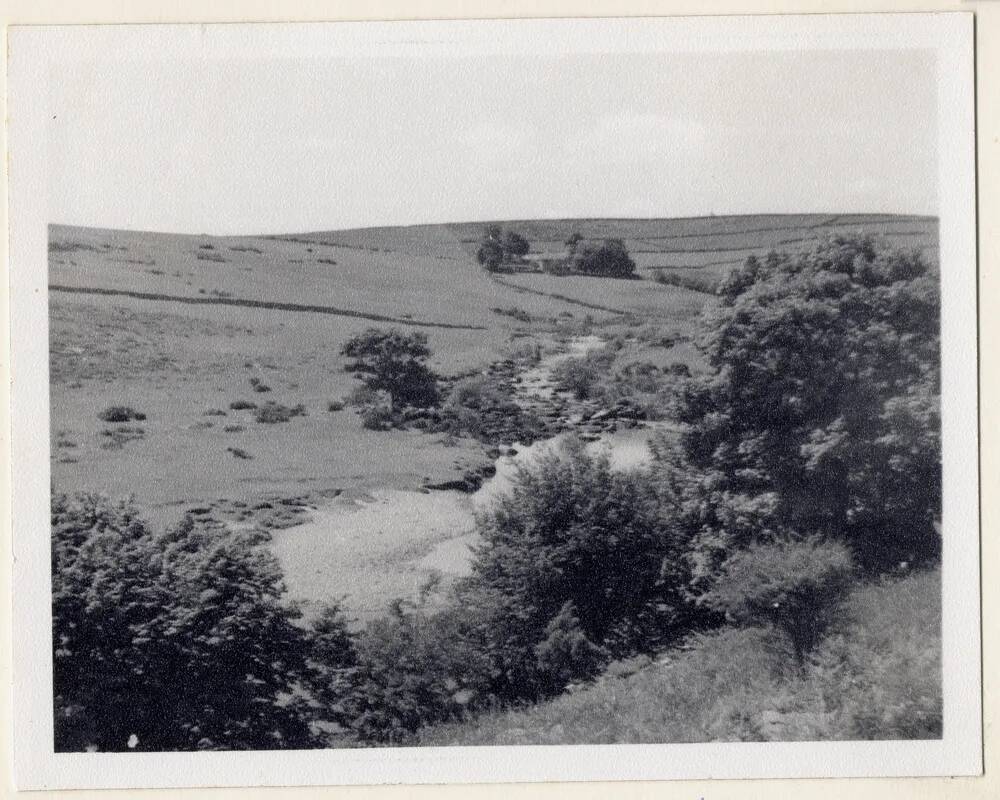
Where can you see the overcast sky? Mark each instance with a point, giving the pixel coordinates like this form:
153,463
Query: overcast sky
297,145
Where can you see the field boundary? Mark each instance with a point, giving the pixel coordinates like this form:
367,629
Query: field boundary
573,301
265,304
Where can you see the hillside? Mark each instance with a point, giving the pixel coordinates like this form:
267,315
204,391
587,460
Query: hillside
877,675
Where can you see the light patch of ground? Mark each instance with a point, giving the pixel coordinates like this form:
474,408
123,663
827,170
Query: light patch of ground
375,548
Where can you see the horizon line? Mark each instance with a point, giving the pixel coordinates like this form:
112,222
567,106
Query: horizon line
508,221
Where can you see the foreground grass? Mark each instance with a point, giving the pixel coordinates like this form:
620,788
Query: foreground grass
877,675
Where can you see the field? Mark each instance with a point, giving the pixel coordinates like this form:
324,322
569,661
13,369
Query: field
181,328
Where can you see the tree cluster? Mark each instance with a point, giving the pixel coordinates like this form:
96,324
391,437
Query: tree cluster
821,412
499,246
608,258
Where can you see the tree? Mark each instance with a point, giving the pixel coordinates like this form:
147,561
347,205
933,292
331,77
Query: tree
821,409
173,641
394,362
490,255
514,245
610,259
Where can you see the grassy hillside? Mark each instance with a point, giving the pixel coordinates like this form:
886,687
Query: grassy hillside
876,676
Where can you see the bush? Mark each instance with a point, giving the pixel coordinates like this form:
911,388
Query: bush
577,375
214,412
609,259
180,639
394,362
377,418
258,386
242,405
335,405
582,374
794,585
477,393
116,438
271,412
416,669
120,414
571,530
565,654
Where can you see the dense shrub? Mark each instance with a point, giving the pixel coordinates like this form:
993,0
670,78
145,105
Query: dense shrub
242,405
610,258
121,414
794,585
417,669
394,362
178,639
572,530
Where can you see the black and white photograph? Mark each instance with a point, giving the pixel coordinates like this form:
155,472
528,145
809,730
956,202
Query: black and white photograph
456,388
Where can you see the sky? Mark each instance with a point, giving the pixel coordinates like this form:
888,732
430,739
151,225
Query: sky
293,145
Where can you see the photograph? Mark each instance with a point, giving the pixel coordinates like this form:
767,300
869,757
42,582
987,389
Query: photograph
498,384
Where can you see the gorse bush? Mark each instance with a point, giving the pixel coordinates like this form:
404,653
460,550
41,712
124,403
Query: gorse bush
416,669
